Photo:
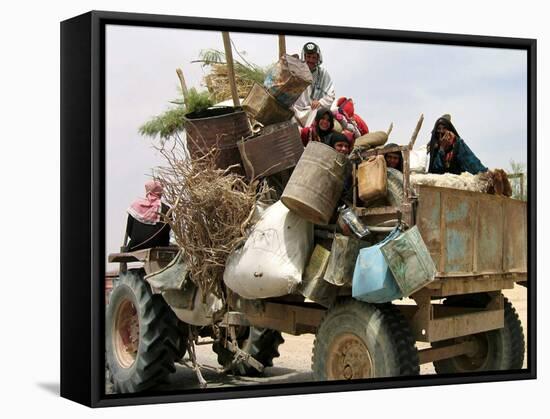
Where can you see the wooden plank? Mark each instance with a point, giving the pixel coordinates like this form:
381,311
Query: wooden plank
287,318
428,221
442,234
464,324
426,356
459,232
476,238
515,249
470,285
377,151
490,235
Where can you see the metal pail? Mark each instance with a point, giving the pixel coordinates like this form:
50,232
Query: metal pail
316,184
222,126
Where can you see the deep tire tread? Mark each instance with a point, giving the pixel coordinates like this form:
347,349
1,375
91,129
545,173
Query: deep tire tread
160,342
508,342
404,342
401,350
261,344
517,338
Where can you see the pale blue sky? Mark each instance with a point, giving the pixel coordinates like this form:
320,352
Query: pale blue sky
485,91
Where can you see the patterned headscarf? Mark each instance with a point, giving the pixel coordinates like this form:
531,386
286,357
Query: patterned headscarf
434,140
147,211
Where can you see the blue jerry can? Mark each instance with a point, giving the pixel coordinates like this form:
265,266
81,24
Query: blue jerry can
373,280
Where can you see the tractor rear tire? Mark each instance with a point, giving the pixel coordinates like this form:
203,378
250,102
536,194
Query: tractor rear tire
143,336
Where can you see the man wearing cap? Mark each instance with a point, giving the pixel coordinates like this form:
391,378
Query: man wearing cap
321,91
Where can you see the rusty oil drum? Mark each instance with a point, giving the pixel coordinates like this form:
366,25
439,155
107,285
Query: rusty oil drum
316,184
276,148
221,126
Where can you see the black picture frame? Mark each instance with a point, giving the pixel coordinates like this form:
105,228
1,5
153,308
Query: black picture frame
83,204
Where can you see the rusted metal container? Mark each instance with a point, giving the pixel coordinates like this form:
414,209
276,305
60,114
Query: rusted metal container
287,79
372,179
222,127
264,108
341,264
410,261
313,285
316,184
276,148
471,233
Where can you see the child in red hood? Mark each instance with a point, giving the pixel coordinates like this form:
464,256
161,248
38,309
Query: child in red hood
352,124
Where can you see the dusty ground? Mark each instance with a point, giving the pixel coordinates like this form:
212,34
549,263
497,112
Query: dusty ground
294,364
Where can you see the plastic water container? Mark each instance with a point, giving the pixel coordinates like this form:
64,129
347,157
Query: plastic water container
373,280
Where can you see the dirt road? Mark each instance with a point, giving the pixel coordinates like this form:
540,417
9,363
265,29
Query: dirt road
294,364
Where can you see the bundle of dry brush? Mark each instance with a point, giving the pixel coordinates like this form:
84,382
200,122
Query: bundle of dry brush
210,211
218,85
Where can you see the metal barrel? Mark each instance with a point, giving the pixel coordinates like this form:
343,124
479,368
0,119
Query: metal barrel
222,127
277,148
316,184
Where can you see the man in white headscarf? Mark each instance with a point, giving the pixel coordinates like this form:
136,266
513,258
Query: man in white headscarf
320,94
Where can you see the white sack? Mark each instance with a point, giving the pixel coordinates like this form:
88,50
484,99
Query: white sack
418,160
274,256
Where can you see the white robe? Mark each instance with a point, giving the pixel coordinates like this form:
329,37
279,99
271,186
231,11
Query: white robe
322,89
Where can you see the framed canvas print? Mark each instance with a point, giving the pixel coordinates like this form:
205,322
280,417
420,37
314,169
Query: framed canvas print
255,208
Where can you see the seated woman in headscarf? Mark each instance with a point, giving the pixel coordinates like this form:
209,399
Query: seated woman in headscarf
352,124
145,227
449,153
340,142
321,129
394,160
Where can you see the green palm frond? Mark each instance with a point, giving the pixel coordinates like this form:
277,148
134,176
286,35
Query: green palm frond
172,121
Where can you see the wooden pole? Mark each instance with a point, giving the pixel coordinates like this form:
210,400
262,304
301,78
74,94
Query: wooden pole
416,130
390,128
521,180
282,46
230,68
406,174
184,90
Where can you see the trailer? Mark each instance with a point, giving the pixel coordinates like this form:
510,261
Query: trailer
477,241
